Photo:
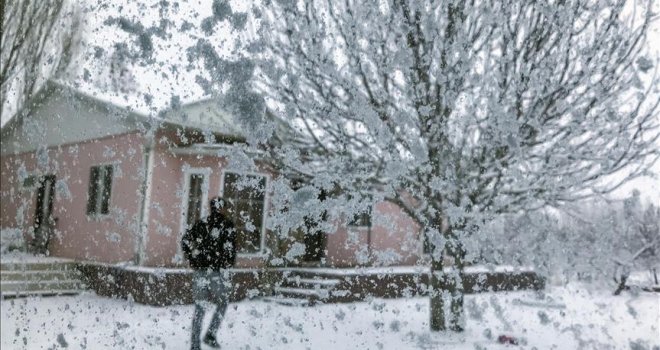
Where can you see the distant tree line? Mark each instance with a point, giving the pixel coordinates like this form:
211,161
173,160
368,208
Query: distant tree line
593,239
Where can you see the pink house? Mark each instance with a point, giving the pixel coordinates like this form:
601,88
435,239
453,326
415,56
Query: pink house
123,186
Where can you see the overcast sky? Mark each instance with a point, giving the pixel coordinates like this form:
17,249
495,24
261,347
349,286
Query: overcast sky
166,76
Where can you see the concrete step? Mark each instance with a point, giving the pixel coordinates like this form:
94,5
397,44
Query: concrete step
305,285
312,282
311,273
314,294
18,294
34,286
288,301
340,293
304,274
39,275
38,266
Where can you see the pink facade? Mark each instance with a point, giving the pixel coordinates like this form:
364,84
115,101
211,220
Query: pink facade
107,238
393,239
114,237
166,214
148,198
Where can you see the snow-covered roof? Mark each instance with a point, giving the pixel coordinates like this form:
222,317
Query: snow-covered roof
207,115
61,114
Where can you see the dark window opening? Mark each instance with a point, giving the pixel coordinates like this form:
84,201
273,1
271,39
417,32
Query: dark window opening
246,196
45,196
100,188
195,198
362,219
428,249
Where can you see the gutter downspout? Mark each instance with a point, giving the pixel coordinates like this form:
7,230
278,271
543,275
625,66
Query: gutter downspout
140,247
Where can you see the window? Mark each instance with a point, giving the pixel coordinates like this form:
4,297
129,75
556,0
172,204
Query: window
194,199
246,195
196,185
362,216
30,182
428,249
100,188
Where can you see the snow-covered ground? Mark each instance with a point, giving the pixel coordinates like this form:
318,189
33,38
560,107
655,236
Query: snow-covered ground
569,317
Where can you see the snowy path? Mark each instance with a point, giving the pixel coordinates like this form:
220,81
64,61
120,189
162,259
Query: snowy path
566,318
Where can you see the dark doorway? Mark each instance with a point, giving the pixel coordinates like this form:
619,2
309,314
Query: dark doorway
45,197
314,240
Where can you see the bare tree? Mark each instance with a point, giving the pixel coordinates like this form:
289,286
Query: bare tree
641,239
38,41
458,110
593,239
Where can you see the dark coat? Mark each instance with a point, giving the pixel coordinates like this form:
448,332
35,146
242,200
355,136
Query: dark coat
210,244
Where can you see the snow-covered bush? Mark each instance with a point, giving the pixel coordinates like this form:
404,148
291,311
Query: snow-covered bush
11,239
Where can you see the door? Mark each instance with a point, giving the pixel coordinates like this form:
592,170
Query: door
45,196
314,239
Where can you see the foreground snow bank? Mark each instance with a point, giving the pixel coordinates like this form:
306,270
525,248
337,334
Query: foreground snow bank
562,318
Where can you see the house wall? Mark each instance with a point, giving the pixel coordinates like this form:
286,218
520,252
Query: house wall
167,201
108,238
394,236
393,239
67,132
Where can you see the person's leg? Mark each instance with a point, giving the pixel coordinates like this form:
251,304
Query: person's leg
198,319
218,315
200,289
221,297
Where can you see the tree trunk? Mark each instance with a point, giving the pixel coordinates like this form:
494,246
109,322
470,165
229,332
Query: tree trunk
455,286
447,288
438,322
622,284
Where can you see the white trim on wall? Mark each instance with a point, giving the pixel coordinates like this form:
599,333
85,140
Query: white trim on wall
262,248
187,171
142,239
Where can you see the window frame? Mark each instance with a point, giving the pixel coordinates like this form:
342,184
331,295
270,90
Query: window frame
206,188
97,214
358,223
262,241
426,249
353,223
185,200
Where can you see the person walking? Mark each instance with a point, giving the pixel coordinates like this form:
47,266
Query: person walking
210,247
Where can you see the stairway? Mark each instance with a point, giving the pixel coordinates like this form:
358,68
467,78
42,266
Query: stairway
303,288
39,276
